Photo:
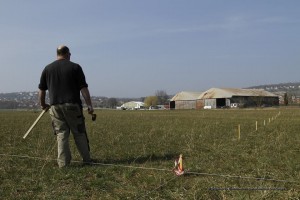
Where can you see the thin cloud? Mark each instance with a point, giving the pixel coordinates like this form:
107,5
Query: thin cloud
275,20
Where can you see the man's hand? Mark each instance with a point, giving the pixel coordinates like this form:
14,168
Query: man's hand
45,107
90,110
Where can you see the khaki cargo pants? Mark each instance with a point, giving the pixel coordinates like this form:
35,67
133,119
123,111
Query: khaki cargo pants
65,118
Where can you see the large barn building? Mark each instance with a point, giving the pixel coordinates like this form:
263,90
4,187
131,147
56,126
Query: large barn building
224,97
184,100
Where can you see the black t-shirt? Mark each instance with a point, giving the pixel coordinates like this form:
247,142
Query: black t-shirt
64,80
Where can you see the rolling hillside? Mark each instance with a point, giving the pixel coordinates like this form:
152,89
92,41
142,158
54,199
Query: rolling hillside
16,100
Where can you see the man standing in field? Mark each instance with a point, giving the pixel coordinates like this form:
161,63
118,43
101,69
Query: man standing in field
65,81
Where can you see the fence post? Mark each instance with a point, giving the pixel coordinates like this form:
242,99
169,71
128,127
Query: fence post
256,125
239,132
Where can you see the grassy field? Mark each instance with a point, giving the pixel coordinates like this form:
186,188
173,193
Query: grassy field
135,153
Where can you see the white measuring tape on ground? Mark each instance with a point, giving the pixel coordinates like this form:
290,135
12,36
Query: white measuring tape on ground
159,169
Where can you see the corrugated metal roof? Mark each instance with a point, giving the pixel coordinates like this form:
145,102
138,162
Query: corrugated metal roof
214,93
186,96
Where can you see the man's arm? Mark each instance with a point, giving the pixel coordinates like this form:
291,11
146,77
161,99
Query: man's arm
42,97
86,95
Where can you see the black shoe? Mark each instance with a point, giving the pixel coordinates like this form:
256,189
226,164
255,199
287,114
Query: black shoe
91,162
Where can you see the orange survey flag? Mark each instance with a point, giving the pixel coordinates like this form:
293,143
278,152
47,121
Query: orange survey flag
178,169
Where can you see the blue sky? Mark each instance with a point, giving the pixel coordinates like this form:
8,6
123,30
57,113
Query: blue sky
132,48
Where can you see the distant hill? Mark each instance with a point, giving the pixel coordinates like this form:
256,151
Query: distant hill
29,100
16,100
290,88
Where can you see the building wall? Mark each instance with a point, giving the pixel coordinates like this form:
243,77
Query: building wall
255,101
228,102
210,102
185,104
273,101
243,101
199,104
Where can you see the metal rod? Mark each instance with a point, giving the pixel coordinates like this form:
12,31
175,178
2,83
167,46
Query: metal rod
35,122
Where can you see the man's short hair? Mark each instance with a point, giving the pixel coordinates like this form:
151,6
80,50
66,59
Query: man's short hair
62,50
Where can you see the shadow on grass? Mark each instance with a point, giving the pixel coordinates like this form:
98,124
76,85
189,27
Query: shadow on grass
128,161
141,159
